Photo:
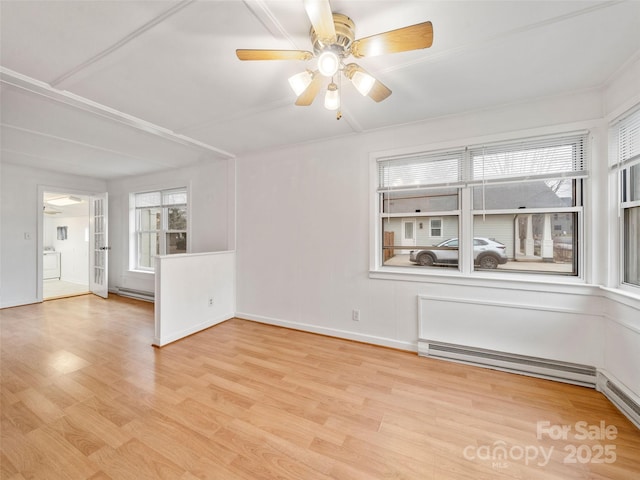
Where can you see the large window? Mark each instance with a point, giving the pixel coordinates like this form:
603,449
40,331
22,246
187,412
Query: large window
160,225
511,206
626,148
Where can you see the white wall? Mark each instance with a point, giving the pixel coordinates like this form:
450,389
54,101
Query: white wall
74,251
193,292
21,217
211,215
304,243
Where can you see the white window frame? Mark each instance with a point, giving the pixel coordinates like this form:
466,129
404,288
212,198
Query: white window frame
466,211
624,153
135,232
431,227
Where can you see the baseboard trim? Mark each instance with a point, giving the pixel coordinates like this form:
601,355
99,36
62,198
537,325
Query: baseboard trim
175,336
331,332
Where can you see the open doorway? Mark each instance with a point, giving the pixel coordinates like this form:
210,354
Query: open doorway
65,242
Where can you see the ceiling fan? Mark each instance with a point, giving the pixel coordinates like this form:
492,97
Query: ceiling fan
333,39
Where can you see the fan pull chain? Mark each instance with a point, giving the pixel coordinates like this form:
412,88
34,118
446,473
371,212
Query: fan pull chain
339,112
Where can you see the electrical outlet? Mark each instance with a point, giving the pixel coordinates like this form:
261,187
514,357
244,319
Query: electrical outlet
211,301
355,315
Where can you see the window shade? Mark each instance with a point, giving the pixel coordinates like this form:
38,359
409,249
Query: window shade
530,159
629,139
174,197
427,170
161,198
149,199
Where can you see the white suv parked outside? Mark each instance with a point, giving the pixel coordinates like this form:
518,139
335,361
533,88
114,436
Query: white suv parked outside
487,253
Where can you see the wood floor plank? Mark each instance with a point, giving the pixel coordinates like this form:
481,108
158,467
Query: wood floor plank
135,460
85,396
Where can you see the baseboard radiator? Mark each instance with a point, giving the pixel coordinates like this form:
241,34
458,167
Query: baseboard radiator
622,400
566,372
137,294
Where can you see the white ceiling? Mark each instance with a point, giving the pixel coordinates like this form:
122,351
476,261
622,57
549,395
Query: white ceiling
115,88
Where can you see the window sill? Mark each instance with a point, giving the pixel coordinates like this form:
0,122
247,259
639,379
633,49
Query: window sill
143,272
514,281
624,294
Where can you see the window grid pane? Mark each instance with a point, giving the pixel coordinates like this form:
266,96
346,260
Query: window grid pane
148,248
540,194
421,200
409,241
533,242
631,243
177,218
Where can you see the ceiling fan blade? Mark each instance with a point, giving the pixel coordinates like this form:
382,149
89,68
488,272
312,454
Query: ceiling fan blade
378,91
244,54
403,39
319,13
307,97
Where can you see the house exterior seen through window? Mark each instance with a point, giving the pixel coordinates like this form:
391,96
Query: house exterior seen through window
160,225
523,199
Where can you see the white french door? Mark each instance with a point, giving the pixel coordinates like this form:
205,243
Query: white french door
98,246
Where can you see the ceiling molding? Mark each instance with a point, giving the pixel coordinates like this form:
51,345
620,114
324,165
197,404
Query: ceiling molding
630,61
264,15
77,143
119,44
37,87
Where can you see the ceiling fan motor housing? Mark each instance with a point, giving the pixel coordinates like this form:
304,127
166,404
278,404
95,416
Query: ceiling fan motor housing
345,34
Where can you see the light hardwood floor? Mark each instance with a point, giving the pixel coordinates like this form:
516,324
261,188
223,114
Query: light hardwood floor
84,395
54,288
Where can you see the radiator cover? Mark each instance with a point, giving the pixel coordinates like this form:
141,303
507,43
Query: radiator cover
573,373
625,401
137,294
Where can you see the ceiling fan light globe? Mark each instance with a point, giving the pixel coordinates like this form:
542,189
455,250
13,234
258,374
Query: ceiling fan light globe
363,82
332,97
300,81
328,63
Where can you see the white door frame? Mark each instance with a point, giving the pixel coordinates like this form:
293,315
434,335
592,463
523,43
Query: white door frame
40,228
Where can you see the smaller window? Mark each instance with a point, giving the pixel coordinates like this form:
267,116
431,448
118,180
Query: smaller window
435,226
160,225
